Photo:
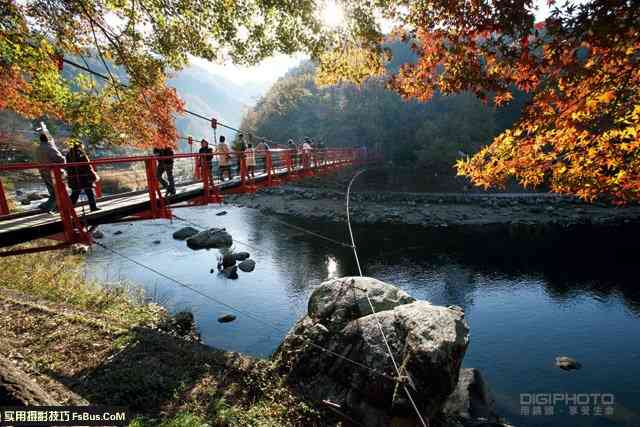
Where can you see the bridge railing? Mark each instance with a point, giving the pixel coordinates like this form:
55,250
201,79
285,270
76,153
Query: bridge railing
139,173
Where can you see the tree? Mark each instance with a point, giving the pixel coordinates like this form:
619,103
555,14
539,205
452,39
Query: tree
148,40
580,132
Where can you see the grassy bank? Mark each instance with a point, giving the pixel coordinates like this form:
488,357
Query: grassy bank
85,343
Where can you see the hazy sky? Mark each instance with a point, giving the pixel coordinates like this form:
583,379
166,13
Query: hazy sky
272,68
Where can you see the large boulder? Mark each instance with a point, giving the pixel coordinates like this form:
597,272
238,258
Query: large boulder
212,238
428,343
185,233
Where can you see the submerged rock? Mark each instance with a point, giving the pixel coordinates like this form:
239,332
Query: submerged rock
212,238
221,213
185,233
427,341
247,265
116,233
567,363
97,234
157,242
231,272
226,318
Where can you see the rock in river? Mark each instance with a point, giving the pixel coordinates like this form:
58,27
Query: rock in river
185,233
241,256
212,238
247,265
231,272
228,260
427,341
226,318
567,363
221,213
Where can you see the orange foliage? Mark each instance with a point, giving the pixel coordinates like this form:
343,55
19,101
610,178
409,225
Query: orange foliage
580,133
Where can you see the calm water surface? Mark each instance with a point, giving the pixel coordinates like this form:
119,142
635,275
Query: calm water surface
529,296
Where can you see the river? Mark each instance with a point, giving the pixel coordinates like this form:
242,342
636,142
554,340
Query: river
529,294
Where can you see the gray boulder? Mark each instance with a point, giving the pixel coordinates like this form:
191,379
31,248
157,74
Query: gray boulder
241,256
567,363
185,233
212,238
338,301
247,265
427,341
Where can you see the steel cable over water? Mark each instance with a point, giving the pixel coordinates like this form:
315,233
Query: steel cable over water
373,311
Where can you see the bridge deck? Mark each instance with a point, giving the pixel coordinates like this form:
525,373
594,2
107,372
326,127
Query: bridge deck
30,225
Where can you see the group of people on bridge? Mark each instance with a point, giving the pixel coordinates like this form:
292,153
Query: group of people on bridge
217,162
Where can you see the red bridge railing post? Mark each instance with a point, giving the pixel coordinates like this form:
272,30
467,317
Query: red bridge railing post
4,205
157,205
74,231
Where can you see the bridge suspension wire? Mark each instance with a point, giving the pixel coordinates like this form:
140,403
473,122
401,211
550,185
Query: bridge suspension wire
373,311
187,111
243,312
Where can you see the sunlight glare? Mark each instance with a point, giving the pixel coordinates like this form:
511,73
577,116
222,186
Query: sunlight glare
332,14
332,267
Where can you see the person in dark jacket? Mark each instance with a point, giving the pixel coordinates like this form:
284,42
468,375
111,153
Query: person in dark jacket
206,161
47,152
240,146
81,178
165,166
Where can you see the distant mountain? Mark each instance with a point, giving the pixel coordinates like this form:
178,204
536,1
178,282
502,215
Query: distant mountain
204,92
213,96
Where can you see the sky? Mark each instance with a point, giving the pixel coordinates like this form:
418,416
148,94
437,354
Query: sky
269,70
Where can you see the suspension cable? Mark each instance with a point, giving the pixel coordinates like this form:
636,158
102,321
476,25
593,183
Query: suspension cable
373,311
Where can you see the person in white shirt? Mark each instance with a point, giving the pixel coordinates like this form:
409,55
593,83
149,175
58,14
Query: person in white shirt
224,158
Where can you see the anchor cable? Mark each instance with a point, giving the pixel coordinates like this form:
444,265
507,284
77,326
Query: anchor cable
373,311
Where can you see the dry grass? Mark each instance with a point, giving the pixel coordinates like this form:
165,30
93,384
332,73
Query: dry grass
58,276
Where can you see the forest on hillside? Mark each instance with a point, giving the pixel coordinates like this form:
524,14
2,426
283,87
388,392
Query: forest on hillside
410,133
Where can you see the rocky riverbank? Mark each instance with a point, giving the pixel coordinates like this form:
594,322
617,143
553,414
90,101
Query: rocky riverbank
435,209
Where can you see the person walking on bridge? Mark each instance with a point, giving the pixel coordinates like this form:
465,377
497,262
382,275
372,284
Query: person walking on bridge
250,156
306,152
206,161
293,153
240,146
224,158
165,166
47,152
81,178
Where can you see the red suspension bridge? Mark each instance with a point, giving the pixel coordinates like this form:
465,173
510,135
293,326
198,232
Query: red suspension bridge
74,225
